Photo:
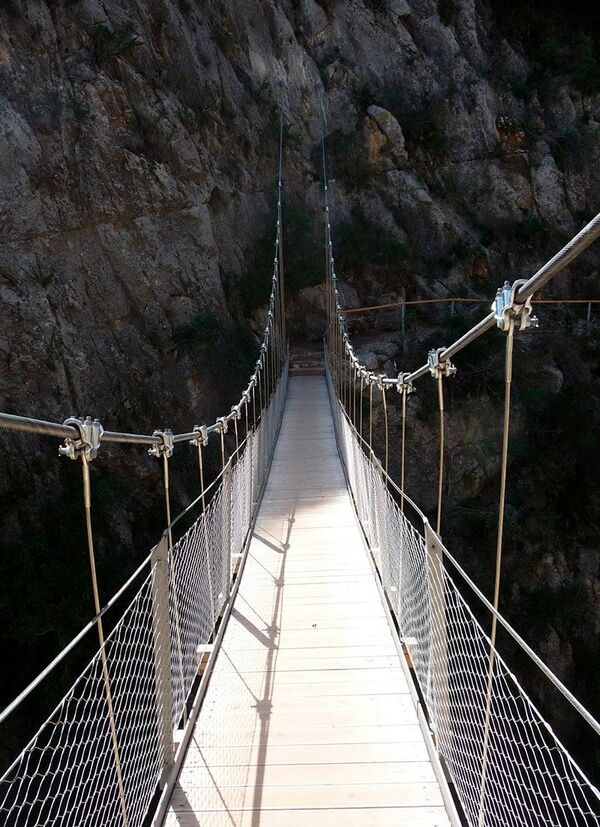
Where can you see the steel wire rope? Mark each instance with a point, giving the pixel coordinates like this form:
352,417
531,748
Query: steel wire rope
508,368
87,503
440,394
385,420
404,393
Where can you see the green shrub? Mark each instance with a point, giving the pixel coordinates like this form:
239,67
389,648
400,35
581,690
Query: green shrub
577,146
225,38
464,249
586,69
446,11
303,256
422,129
112,43
230,348
42,272
361,244
363,97
561,38
551,52
531,231
349,162
78,107
193,120
522,90
291,138
54,349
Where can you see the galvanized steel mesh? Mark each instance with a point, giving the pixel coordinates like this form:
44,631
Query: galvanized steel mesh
525,776
66,775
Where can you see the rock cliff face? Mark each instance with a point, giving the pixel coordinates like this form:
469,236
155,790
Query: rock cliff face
137,171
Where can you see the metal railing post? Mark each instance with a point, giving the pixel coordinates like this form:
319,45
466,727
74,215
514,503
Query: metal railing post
438,687
161,641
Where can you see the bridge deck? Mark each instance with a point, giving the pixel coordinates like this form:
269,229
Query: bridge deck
308,717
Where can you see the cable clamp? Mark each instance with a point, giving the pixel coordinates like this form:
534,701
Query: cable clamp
165,447
506,308
222,424
236,410
201,440
88,442
378,379
405,384
439,367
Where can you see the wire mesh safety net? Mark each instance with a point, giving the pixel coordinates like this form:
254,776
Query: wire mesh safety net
99,757
507,765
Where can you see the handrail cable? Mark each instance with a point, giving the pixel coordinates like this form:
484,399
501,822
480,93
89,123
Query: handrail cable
575,703
348,311
26,424
505,310
91,624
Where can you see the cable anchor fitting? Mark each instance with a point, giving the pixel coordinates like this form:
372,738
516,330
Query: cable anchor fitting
222,424
201,440
236,410
163,448
506,309
88,442
405,384
439,367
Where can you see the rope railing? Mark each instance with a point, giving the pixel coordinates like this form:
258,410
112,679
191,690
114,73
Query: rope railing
507,765
111,745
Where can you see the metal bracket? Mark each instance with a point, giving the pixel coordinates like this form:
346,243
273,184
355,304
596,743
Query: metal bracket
223,424
202,436
165,448
405,384
439,368
236,410
88,443
506,309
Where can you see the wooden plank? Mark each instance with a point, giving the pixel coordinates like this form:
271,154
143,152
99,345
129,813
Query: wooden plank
291,775
280,797
297,734
367,704
337,817
294,754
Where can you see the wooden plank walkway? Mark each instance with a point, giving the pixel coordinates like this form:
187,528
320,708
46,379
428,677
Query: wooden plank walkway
308,719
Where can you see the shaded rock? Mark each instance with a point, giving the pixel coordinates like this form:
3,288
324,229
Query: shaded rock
397,9
391,131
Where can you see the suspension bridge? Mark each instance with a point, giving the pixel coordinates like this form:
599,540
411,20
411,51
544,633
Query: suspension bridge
298,647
